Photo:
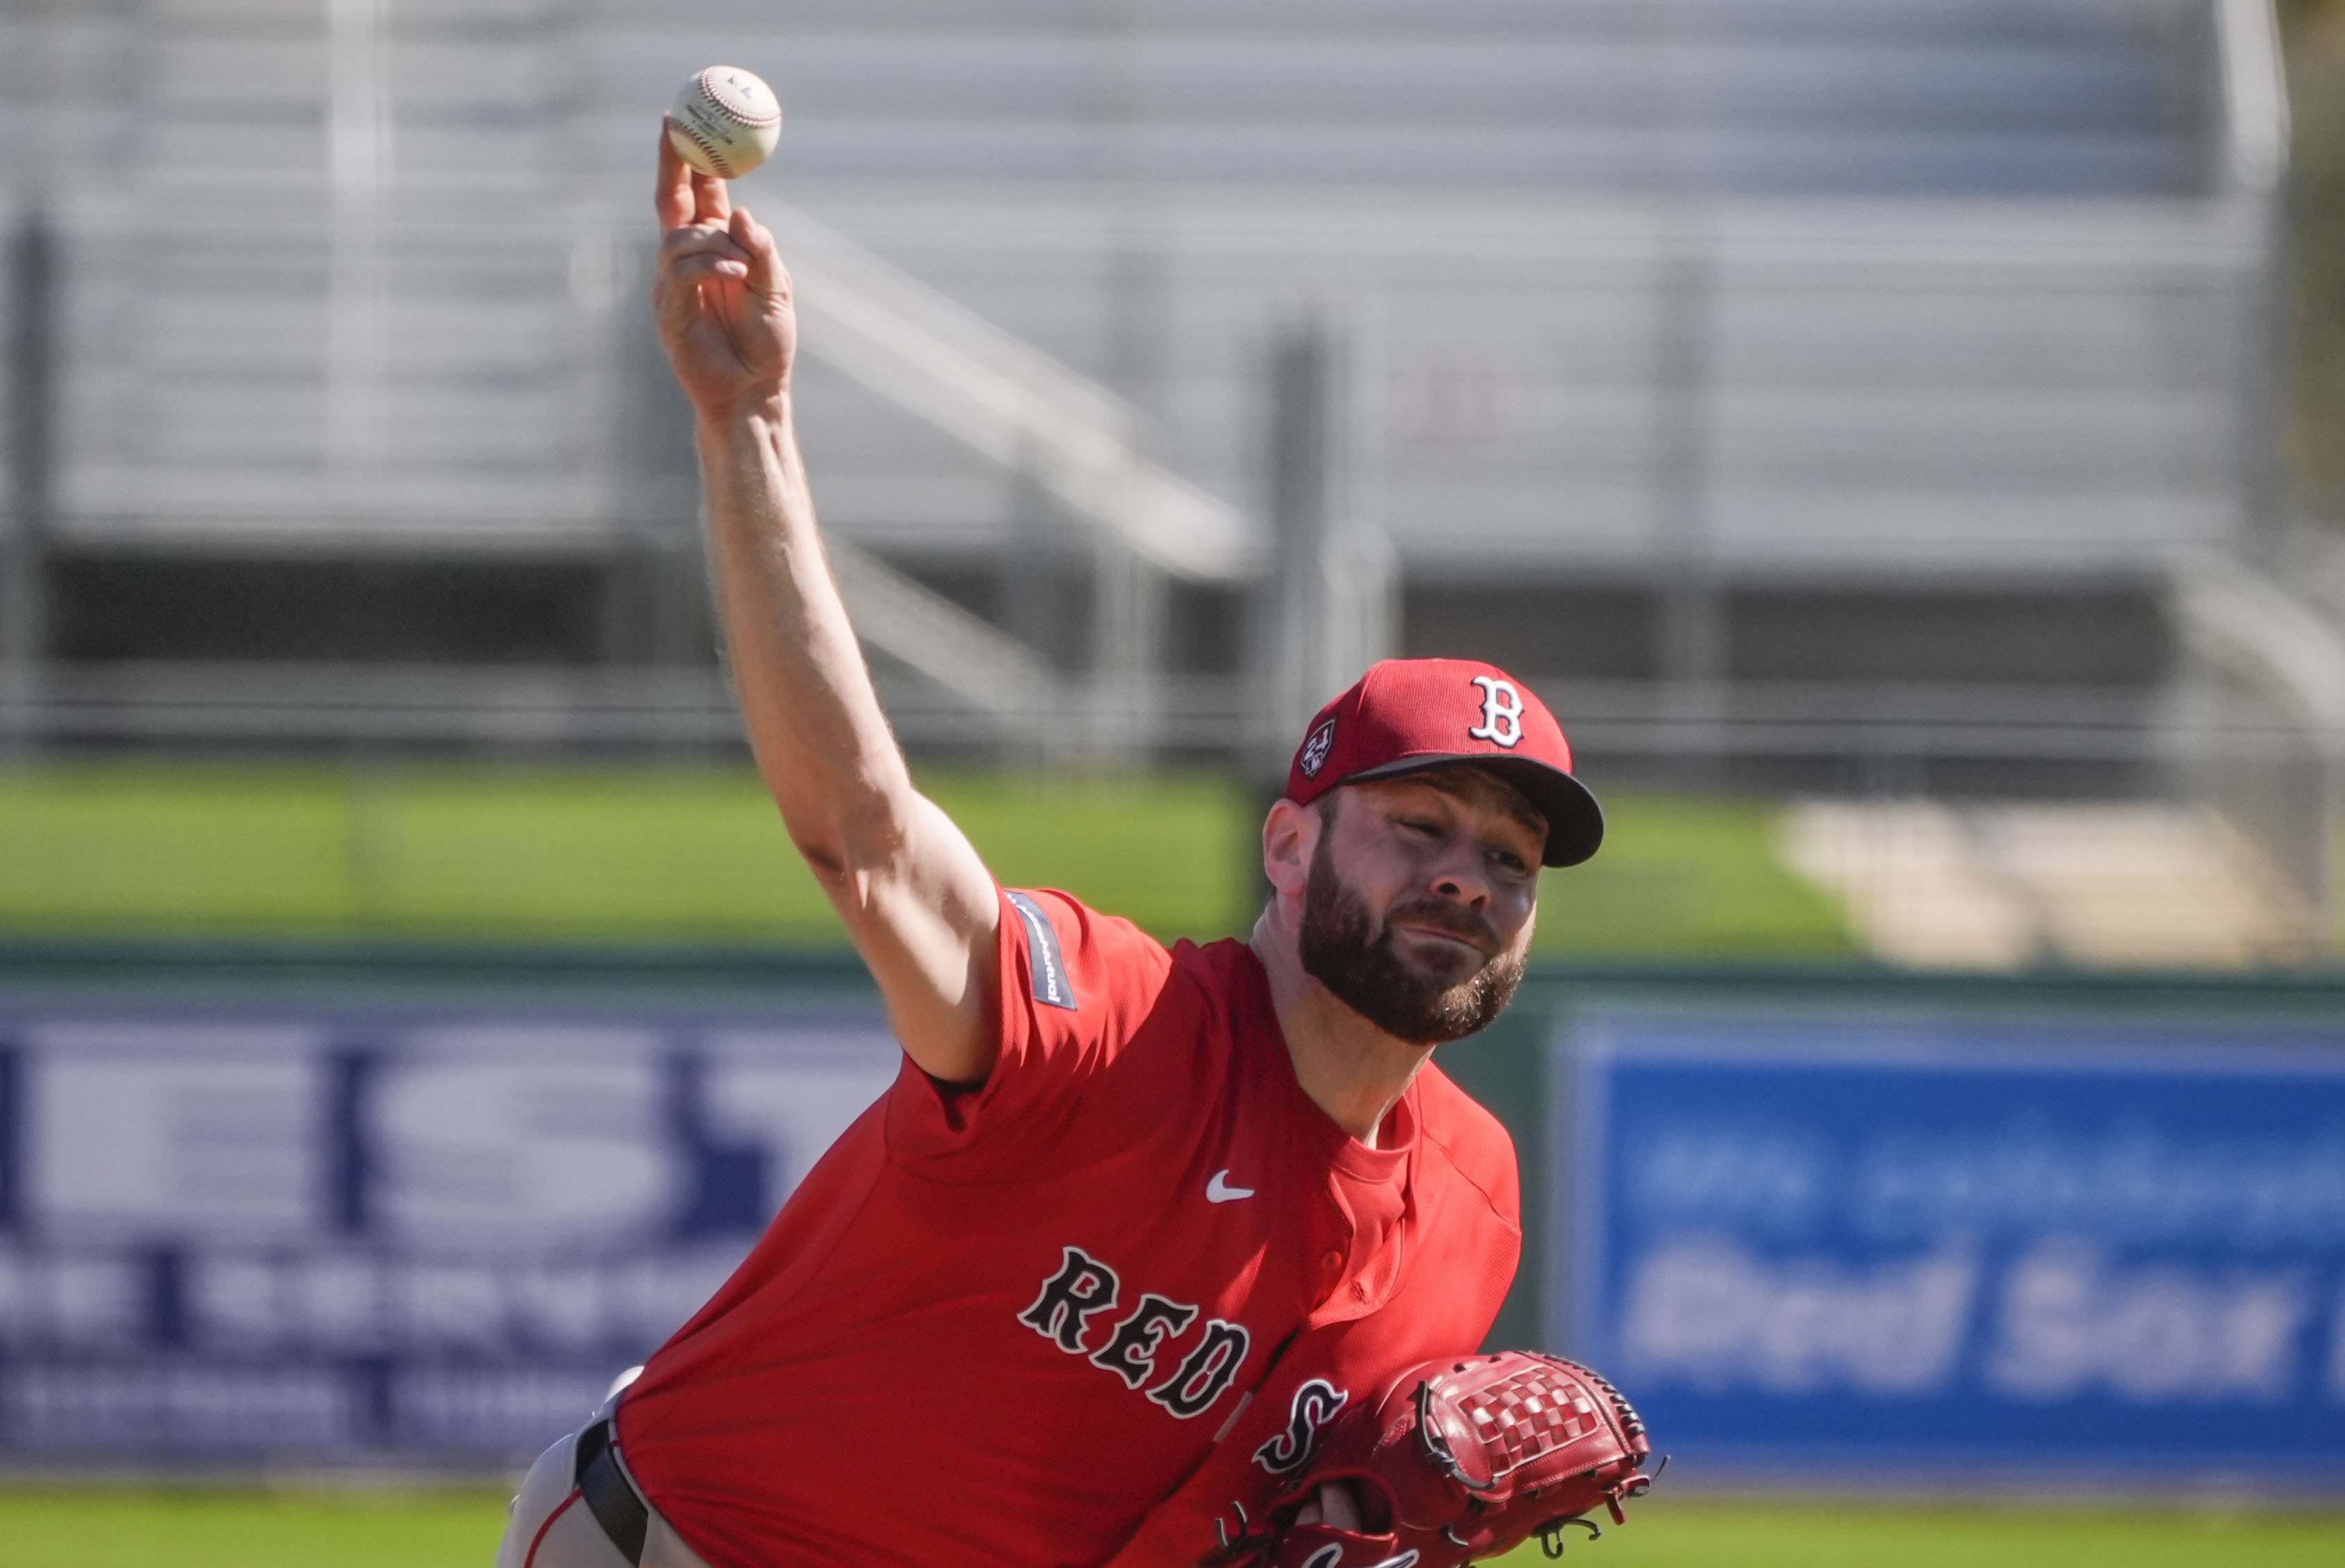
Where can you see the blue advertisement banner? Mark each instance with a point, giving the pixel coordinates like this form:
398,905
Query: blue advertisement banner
322,1232
1913,1245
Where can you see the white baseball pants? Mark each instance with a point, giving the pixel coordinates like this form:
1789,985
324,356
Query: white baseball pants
553,1526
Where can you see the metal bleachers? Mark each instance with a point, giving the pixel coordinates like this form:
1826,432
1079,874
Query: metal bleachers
1802,286
1653,288
1933,260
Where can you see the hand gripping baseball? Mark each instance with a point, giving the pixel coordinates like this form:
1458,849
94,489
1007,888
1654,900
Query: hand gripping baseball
1456,1461
721,298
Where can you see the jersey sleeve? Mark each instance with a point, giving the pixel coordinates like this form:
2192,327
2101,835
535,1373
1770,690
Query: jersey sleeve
1073,987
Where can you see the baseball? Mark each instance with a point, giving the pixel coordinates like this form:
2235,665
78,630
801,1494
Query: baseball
725,122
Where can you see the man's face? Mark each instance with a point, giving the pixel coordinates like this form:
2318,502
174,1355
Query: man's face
1417,910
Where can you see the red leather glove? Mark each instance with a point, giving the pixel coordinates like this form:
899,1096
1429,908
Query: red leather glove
1456,1461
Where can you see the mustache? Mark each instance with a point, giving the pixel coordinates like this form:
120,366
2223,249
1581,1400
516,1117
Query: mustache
1447,918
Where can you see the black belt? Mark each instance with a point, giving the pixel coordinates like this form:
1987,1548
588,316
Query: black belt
610,1496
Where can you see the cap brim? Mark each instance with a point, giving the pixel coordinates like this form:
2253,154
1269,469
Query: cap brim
1575,821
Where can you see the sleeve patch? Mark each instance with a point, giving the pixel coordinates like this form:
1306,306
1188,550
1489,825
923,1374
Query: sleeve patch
1048,968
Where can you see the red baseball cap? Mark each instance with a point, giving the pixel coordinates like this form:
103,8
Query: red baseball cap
1406,715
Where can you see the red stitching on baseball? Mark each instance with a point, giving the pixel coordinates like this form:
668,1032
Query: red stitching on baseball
724,166
757,121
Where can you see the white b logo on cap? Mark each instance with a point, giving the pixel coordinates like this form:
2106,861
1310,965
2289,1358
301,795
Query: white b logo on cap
1502,711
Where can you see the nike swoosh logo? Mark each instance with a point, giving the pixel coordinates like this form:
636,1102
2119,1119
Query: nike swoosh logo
1219,1190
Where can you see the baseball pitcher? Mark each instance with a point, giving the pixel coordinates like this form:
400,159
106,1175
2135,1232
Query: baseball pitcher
1148,1257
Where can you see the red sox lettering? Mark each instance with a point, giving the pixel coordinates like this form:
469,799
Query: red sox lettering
1316,1403
1085,1288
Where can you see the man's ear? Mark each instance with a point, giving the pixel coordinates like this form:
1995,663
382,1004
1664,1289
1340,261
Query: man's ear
1290,836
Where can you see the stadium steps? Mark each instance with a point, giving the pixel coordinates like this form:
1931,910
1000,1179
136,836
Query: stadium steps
1815,288
2005,886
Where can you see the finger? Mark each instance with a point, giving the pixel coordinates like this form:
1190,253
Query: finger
767,274
712,203
701,268
672,196
696,240
675,312
682,297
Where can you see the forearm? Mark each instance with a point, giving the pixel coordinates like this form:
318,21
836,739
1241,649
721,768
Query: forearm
820,738
919,905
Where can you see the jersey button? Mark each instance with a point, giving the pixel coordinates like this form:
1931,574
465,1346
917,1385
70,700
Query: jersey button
1332,1261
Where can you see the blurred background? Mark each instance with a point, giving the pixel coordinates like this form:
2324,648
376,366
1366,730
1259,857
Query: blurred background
1902,440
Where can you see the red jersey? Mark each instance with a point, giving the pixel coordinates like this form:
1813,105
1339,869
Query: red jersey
1004,1326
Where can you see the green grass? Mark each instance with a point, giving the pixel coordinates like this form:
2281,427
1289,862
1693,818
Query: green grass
1685,875
189,1527
660,855
698,854
1695,1532
143,1527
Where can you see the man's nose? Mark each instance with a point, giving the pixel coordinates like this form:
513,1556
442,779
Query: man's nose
1460,875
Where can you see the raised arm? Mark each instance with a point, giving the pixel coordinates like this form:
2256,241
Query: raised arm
919,905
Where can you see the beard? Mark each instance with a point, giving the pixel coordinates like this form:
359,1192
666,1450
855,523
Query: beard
1342,948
